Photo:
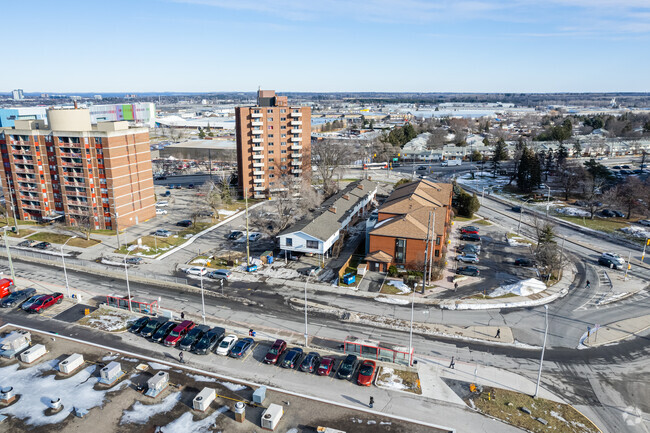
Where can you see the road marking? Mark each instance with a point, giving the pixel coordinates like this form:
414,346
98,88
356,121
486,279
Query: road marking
182,299
336,369
250,351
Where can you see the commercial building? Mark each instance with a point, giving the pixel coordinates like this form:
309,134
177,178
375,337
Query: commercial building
70,169
273,145
403,232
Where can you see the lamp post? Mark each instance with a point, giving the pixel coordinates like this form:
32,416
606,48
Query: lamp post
483,195
65,272
126,272
221,282
541,360
117,230
411,331
307,333
548,199
202,297
11,263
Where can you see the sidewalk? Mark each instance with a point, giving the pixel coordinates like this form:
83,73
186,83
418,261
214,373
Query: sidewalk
616,331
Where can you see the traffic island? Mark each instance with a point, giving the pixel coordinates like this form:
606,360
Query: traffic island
400,380
615,331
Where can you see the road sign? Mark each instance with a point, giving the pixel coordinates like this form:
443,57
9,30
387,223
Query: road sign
395,159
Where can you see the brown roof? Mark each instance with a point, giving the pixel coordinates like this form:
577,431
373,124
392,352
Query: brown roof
379,256
413,225
411,196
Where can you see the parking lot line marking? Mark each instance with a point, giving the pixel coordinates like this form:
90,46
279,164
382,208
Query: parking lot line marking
251,351
335,369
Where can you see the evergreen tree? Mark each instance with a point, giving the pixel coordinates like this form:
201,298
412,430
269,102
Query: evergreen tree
577,149
500,154
562,154
529,174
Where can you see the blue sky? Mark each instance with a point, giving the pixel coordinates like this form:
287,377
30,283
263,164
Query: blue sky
326,45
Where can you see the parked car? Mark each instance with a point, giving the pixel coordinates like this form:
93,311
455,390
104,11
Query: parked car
167,194
422,167
192,337
347,368
471,237
644,223
625,166
618,214
516,209
28,303
152,326
526,263
326,366
184,223
226,344
241,347
162,203
606,261
468,258
162,332
16,298
45,302
614,257
469,229
27,243
606,213
366,372
291,358
196,270
310,362
209,340
5,286
42,245
139,324
470,271
253,237
190,186
161,212
178,333
162,233
469,249
234,235
134,260
275,352
178,186
220,274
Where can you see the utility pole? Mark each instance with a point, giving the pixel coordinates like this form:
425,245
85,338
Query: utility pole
248,245
427,253
411,331
627,268
11,264
433,236
541,360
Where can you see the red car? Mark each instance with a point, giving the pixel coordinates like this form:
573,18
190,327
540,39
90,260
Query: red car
469,229
45,302
5,285
326,366
366,373
275,352
178,333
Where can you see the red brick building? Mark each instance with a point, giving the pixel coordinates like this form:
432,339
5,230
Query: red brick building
273,145
400,235
70,169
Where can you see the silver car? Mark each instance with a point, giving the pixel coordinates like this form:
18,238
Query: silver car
467,258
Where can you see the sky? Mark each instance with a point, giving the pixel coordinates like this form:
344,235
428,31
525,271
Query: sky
326,45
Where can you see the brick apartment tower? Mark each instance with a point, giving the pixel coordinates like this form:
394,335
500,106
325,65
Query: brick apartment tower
77,171
273,145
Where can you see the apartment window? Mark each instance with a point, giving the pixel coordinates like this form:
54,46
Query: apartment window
256,111
270,127
312,244
271,160
283,136
438,239
400,250
98,140
270,152
104,200
270,136
283,151
283,159
269,119
284,167
269,111
283,119
283,143
437,253
282,111
283,127
271,175
296,111
288,242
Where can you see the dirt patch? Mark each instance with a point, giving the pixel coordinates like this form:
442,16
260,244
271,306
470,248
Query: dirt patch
403,380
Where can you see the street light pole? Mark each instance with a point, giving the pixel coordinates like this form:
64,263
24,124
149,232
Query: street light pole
548,200
483,196
65,272
541,360
411,331
221,282
202,297
126,272
11,263
306,332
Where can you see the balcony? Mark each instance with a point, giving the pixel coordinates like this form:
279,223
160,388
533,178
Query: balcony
27,187
296,170
258,180
258,172
296,114
72,163
258,164
296,155
75,193
77,184
296,147
26,179
296,138
257,123
296,123
294,162
258,140
24,170
259,188
21,160
75,202
258,156
258,148
31,205
257,115
21,150
296,131
29,197
257,131
70,155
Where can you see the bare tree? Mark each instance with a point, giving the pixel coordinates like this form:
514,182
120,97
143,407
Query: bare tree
329,156
569,176
437,139
82,223
629,196
212,197
592,190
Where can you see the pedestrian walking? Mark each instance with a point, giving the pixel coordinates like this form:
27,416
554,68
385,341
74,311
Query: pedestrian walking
182,315
372,402
588,284
452,364
456,286
498,333
180,357
250,332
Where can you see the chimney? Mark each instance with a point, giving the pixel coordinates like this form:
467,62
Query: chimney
360,186
332,209
345,196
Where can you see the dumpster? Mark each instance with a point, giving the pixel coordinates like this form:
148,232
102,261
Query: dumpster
349,278
251,268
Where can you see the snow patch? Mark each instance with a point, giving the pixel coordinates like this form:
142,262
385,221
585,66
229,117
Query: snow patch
393,301
637,232
200,378
572,211
521,288
157,366
185,423
141,413
227,212
399,285
233,386
388,379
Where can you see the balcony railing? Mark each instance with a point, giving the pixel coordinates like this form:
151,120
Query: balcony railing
31,206
25,179
296,163
76,193
258,172
258,180
77,184
296,138
258,140
299,114
72,164
258,156
296,155
25,170
258,148
259,188
28,197
257,131
296,131
296,123
296,147
21,150
71,155
257,123
257,115
296,170
258,164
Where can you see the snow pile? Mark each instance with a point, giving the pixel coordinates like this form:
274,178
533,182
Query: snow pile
185,423
233,386
227,212
200,378
36,391
200,262
141,413
572,211
514,241
111,321
520,288
279,272
388,379
399,285
637,232
394,301
157,366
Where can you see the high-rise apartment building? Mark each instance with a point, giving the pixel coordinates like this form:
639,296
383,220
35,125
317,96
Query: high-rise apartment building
17,95
273,145
73,170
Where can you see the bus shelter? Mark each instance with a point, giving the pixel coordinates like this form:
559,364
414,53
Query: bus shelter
380,351
137,305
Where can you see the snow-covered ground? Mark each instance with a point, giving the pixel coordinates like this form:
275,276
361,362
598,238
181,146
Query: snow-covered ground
390,380
141,413
387,300
520,288
227,213
185,423
637,232
109,320
486,181
157,366
399,285
572,211
517,241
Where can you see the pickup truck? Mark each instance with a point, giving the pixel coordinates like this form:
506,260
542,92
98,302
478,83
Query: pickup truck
451,162
45,302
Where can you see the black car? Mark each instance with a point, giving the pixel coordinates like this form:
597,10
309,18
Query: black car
42,245
516,209
346,370
606,213
625,166
617,167
526,263
422,167
618,214
138,324
193,337
291,358
184,223
160,178
471,237
16,298
152,326
233,236
178,186
470,271
209,340
162,332
609,263
310,363
190,186
241,347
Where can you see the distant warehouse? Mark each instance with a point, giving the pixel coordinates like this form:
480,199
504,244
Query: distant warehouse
202,150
